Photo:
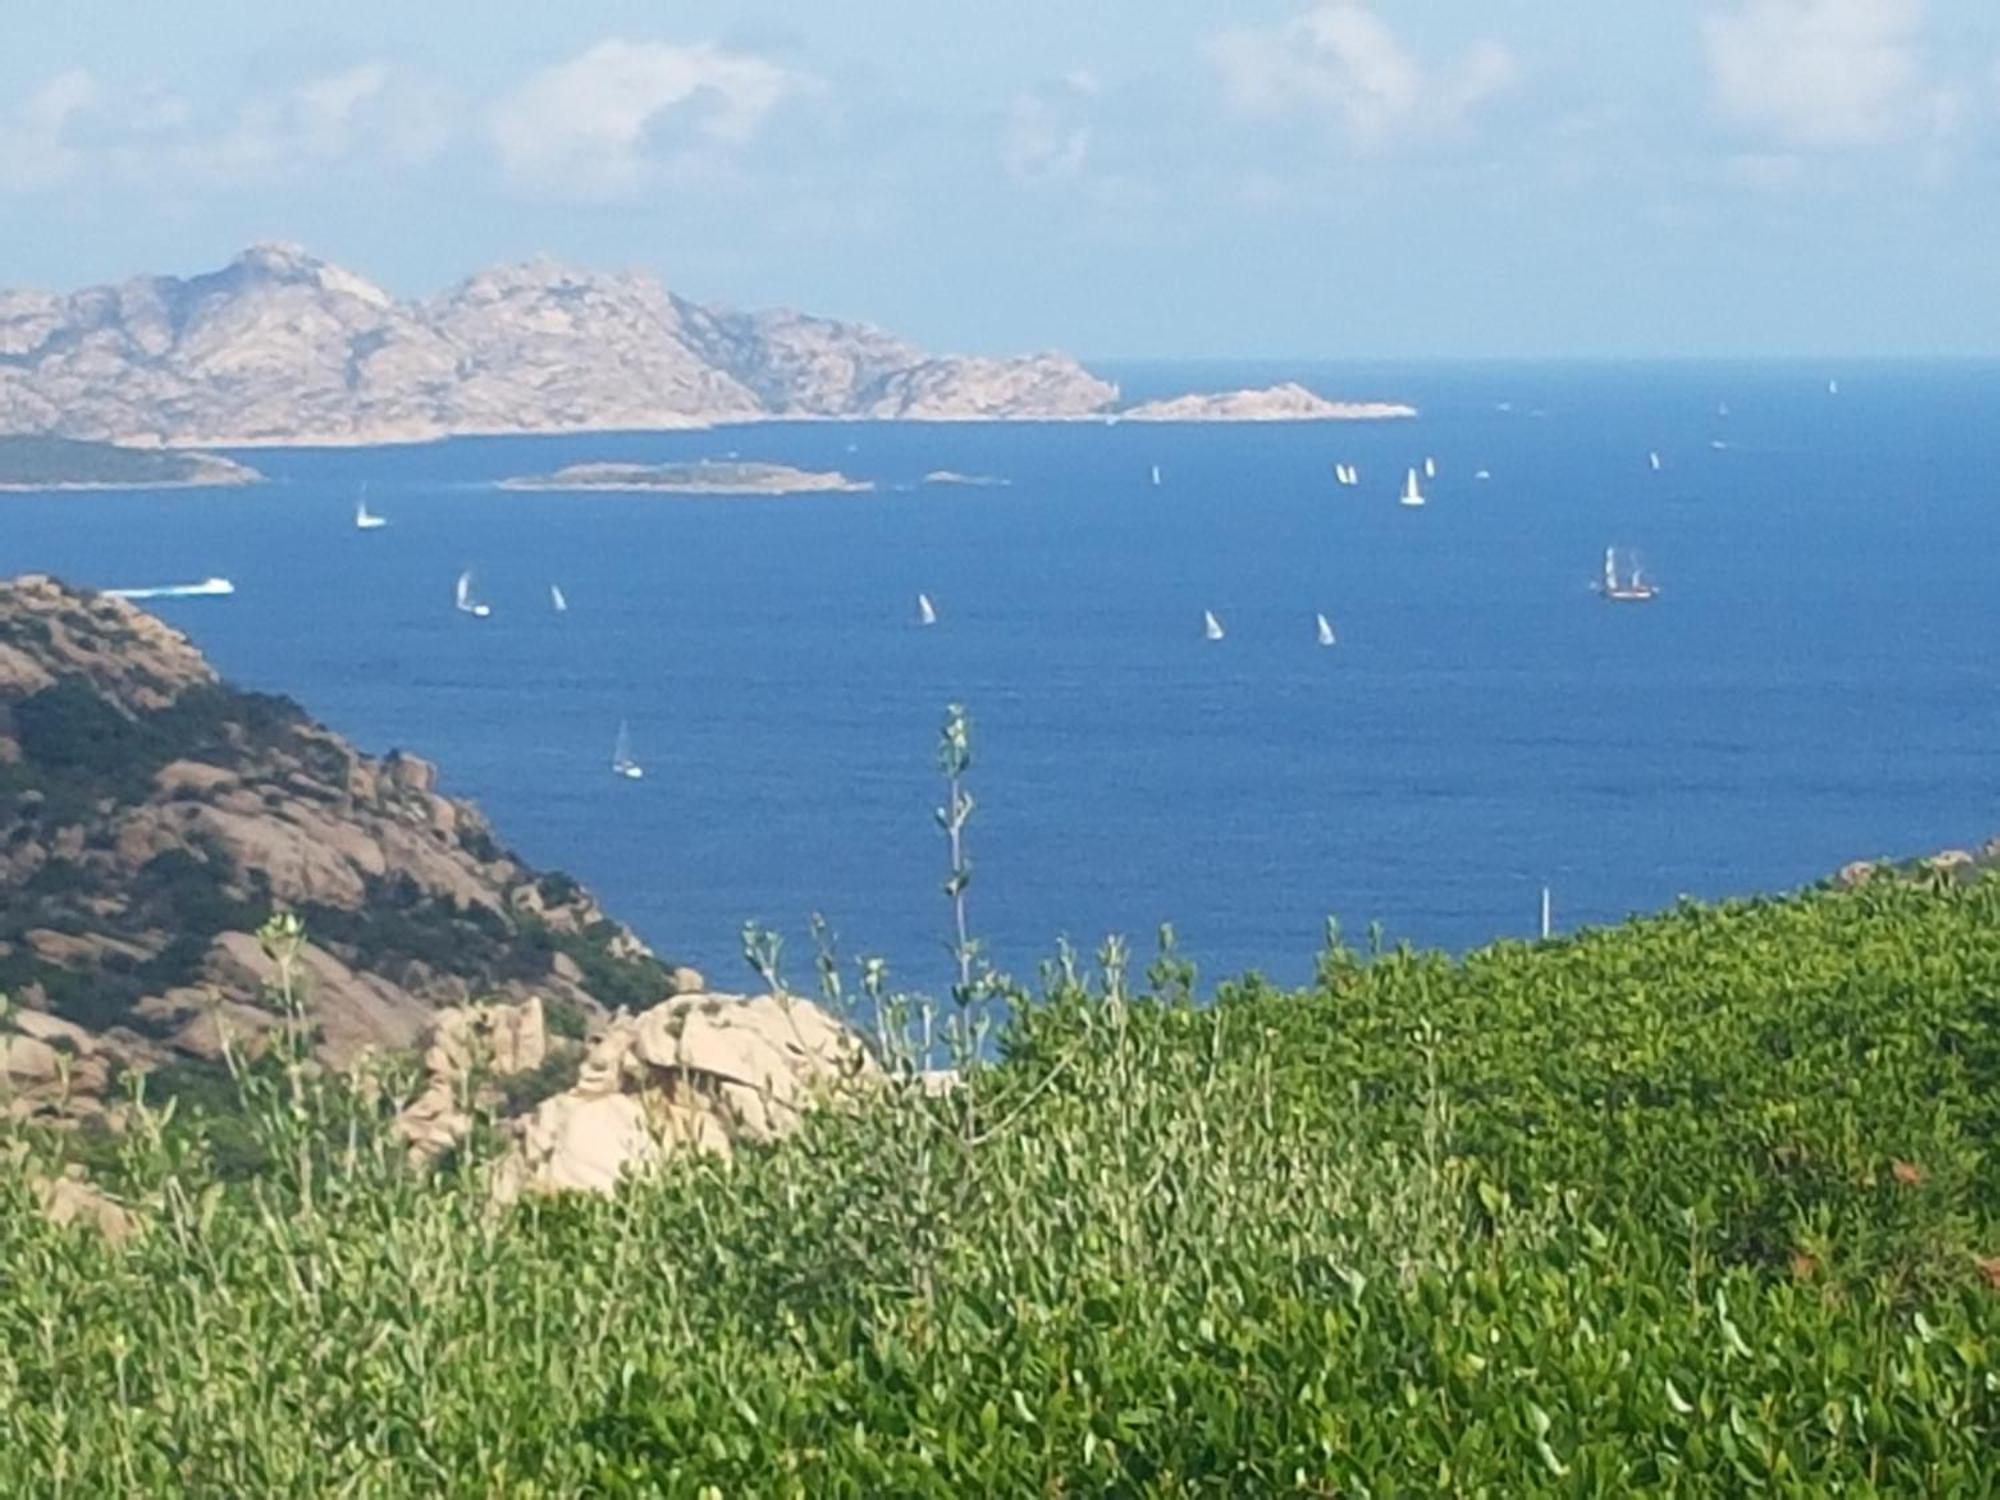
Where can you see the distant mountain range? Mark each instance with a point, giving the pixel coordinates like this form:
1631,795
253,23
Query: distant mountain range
281,347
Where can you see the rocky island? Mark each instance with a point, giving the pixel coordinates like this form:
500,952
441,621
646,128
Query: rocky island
281,347
51,463
701,477
1290,402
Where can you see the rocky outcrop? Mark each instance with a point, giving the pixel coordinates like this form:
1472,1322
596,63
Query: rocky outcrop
152,818
700,1072
281,347
1290,402
471,1046
1945,865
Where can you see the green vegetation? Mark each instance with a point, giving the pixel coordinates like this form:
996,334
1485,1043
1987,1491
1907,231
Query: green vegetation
54,463
1705,1204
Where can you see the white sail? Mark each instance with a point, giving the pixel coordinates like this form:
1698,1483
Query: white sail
1610,571
1412,492
364,518
1156,475
1654,460
462,597
926,612
557,599
1210,626
1325,630
622,763
1430,468
1833,387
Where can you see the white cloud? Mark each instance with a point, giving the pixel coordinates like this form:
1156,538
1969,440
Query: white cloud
613,118
1820,74
1341,61
1047,136
38,148
74,127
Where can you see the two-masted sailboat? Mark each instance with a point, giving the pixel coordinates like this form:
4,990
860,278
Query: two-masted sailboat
1634,588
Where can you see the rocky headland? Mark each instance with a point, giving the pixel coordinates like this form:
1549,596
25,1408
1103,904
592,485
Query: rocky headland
154,818
152,822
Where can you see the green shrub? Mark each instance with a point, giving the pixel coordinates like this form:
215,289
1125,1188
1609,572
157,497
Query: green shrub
1703,1205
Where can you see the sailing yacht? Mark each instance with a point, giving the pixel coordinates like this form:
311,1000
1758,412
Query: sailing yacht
1156,476
926,613
1325,630
364,518
622,763
1833,387
1635,589
557,600
1413,494
1211,628
463,600
1654,460
1430,468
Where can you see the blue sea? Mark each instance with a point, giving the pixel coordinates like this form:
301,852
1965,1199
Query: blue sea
1816,683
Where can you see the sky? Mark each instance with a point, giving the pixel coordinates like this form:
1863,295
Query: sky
1119,178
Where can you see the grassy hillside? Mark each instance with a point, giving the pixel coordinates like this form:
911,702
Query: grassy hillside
1705,1204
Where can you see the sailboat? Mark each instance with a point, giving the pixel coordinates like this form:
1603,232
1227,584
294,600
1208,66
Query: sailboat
1412,494
364,518
557,599
1654,460
926,613
1156,476
1631,590
1325,630
622,763
1211,628
1430,468
1482,474
463,600
1833,387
